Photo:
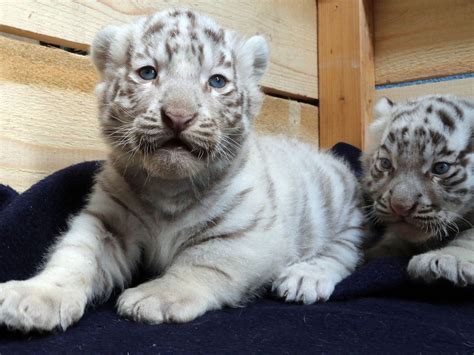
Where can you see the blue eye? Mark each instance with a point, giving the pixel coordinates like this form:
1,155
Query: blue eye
440,168
147,73
385,163
217,81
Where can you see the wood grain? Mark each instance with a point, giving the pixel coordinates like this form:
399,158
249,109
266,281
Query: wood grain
460,87
423,39
48,117
289,26
346,70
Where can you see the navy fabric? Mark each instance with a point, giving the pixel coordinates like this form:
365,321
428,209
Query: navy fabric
376,309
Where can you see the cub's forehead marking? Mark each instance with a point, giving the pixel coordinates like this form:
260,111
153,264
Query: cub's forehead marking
152,29
216,37
459,112
195,37
446,119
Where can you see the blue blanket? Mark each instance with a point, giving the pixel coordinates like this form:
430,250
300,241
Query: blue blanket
377,309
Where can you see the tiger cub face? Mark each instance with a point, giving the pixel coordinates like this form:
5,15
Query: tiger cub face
177,92
419,165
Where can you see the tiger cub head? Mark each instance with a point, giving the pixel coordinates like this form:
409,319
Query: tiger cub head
419,165
178,92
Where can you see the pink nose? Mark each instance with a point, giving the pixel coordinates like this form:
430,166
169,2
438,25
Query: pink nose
177,120
403,209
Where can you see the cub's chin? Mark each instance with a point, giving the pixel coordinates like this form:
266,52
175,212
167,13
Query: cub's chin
409,232
172,163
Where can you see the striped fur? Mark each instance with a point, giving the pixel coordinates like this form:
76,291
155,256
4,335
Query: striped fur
217,216
419,172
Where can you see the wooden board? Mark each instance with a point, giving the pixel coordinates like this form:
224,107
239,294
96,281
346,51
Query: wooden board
289,26
346,70
460,87
289,118
48,117
423,39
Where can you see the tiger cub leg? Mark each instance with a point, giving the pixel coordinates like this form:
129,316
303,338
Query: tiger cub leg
314,278
206,276
455,262
86,263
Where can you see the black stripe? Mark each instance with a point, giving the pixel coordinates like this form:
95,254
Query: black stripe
445,152
384,147
446,120
445,101
391,137
437,137
381,203
457,182
453,174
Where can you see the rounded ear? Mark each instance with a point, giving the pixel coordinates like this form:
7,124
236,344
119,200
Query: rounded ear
100,50
383,108
255,52
382,115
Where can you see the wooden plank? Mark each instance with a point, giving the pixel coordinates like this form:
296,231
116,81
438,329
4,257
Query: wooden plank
289,118
48,117
460,87
346,70
423,39
289,26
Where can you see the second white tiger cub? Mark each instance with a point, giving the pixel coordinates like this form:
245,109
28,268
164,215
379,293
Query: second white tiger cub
419,172
215,211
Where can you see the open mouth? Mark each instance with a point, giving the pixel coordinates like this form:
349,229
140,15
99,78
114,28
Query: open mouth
176,143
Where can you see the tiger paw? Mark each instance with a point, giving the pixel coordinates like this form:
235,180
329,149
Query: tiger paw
32,306
433,266
306,283
160,301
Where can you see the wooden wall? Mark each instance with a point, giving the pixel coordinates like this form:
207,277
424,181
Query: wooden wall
419,39
290,27
48,117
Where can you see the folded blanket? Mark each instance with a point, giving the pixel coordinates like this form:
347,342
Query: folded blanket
377,309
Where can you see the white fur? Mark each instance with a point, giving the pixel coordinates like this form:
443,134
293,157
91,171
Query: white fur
266,211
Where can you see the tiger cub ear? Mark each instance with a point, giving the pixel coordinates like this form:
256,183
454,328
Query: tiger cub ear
253,57
101,47
383,108
382,113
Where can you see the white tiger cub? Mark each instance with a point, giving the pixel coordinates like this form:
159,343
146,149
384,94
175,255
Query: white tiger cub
215,211
419,172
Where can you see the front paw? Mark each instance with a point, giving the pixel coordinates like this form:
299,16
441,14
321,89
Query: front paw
306,283
432,266
158,302
30,305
